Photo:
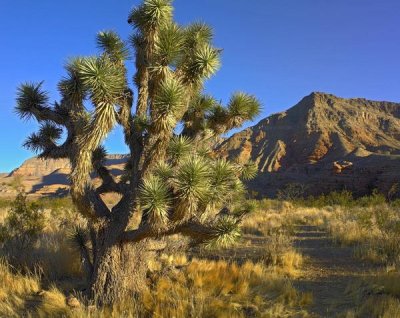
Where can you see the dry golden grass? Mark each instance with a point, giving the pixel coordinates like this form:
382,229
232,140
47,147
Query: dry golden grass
375,231
15,290
269,218
377,296
179,286
201,289
182,286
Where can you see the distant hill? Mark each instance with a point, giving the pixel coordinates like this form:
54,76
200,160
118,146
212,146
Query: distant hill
325,142
50,177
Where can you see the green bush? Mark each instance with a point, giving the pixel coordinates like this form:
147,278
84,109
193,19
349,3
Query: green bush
344,199
56,203
23,225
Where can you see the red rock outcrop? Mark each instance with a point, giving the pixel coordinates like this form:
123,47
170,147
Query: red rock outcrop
326,142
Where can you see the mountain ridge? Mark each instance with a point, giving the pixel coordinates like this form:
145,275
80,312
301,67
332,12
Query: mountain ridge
324,141
315,135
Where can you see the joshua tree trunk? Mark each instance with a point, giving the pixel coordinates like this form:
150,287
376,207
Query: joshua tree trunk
119,271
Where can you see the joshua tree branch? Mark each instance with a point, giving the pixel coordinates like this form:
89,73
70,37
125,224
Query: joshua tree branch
193,229
108,182
52,151
46,113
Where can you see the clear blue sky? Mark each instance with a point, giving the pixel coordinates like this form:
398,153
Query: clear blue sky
280,50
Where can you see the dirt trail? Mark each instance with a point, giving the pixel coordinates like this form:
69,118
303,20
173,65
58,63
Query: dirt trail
328,270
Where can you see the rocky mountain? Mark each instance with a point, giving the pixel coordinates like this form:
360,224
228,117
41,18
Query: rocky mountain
325,143
49,177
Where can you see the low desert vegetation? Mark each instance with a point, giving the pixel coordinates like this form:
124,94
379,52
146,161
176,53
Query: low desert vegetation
47,279
376,296
369,224
251,278
374,231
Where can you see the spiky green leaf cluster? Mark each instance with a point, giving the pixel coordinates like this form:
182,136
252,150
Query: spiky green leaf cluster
78,237
192,179
102,78
99,155
223,178
112,45
163,170
201,64
48,135
179,147
248,171
167,104
154,199
226,232
151,14
241,107
195,118
30,98
50,132
196,35
71,86
168,45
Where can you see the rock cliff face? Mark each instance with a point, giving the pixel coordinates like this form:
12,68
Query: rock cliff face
49,177
325,142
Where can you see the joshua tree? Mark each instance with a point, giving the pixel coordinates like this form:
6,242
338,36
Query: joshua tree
172,182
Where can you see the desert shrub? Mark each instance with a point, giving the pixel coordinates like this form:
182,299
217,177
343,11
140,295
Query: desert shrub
377,296
374,199
34,236
5,203
374,230
292,192
276,246
57,206
23,225
16,182
343,199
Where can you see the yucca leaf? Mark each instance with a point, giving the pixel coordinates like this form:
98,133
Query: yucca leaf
34,143
71,86
243,107
223,173
226,232
163,170
197,34
179,146
169,44
30,98
151,14
168,102
192,185
154,199
111,44
78,237
217,119
103,79
248,170
50,132
99,155
205,63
